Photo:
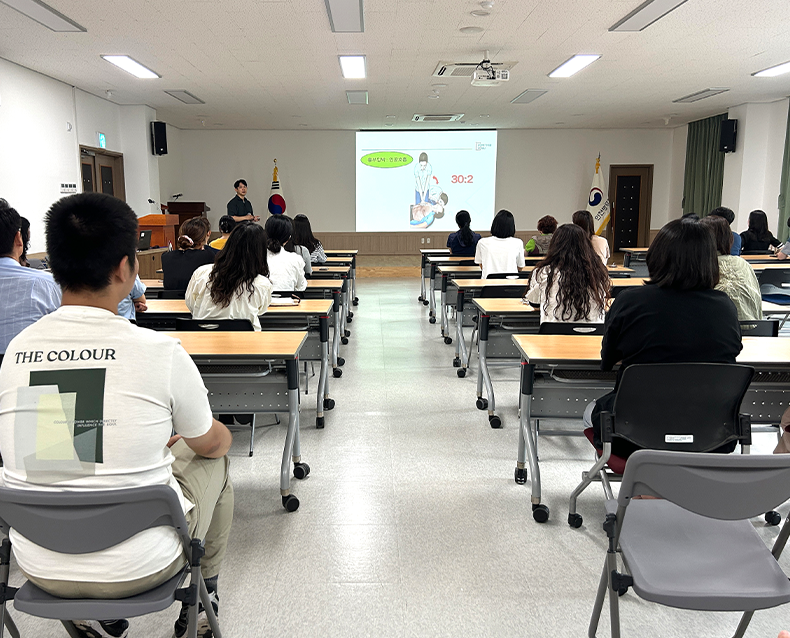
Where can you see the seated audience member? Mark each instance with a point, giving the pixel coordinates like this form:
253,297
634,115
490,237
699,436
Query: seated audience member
785,250
134,302
26,294
236,285
463,242
286,270
178,265
503,252
539,244
303,236
736,276
677,317
757,236
691,217
92,244
24,230
584,219
729,216
292,246
570,285
226,224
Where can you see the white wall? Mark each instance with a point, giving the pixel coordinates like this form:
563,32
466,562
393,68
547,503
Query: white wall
141,167
97,115
678,169
539,172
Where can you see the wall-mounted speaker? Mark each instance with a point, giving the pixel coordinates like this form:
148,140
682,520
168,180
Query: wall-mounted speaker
729,130
159,138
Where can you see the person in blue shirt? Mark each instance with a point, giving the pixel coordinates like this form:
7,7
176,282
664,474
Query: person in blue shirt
134,301
26,294
727,214
463,242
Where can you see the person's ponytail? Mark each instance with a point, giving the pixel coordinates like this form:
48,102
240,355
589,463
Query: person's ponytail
463,219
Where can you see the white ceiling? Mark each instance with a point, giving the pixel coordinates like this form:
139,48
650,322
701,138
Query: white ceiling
272,64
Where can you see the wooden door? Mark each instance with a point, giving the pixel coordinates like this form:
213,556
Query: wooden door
88,166
631,197
102,172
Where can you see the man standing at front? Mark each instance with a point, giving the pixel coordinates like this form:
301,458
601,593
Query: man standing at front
88,401
240,207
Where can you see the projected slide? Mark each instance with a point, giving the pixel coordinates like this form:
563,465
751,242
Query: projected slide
410,180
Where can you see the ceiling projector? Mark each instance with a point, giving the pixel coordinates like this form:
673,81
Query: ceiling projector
486,75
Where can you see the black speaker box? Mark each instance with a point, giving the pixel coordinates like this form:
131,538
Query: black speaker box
729,131
158,138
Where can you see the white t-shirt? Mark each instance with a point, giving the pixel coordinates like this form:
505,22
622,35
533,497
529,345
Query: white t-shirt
125,388
601,247
242,306
286,270
538,295
497,255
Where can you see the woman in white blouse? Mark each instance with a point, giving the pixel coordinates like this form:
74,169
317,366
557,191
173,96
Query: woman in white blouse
584,219
570,285
503,252
236,285
286,270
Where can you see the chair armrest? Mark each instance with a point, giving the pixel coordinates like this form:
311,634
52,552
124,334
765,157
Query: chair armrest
607,426
745,427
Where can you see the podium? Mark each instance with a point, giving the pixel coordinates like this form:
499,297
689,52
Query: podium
187,210
164,228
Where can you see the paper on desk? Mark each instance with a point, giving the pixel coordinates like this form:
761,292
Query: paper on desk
283,301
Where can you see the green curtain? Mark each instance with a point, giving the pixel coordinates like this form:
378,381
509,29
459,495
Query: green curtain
704,174
784,188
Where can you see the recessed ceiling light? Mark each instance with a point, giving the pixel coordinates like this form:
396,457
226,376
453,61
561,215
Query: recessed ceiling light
646,14
485,115
480,13
352,66
574,65
357,97
439,86
45,15
345,16
701,95
131,66
528,96
185,96
773,71
471,29
433,97
388,123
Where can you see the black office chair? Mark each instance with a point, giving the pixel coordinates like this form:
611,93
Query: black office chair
762,328
504,275
551,328
172,294
503,292
685,407
217,325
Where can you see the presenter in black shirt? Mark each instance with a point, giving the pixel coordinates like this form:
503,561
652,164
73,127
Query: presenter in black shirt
240,207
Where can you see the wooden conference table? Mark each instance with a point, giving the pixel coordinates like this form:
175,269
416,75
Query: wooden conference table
235,367
576,360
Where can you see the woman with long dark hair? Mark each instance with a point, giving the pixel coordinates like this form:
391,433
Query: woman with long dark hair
303,236
570,284
584,219
236,286
286,270
463,242
757,236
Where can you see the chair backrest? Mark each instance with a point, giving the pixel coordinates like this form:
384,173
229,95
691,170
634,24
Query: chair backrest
82,522
552,328
774,276
172,294
509,292
762,328
721,486
685,407
218,325
504,275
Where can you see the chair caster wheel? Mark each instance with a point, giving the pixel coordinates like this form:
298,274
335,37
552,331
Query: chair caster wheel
461,373
355,301
319,423
344,340
341,361
575,520
250,454
456,363
494,421
425,302
337,373
448,340
540,513
432,320
301,470
773,518
521,475
329,404
481,403
349,318
418,298
347,333
290,503
622,591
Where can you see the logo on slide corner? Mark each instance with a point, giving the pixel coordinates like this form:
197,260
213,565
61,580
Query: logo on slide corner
386,159
596,196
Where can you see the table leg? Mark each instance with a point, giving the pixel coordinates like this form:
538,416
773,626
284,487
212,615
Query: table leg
337,360
431,296
485,377
323,402
292,449
354,298
344,332
526,443
626,259
422,279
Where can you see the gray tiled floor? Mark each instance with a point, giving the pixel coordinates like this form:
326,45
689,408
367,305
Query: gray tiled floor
410,522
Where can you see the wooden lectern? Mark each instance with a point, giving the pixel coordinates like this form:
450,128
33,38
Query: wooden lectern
164,228
187,210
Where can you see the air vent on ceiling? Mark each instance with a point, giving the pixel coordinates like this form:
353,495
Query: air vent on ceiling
701,95
418,117
465,69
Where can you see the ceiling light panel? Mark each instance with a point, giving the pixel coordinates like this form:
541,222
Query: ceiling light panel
186,97
131,66
772,72
528,96
357,97
646,14
574,65
346,16
45,15
700,95
353,66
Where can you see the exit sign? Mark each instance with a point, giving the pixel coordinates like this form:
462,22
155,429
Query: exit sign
101,139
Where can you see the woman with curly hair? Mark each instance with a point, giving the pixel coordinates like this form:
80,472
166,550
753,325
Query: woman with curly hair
571,285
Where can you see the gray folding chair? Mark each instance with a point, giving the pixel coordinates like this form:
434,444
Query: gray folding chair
84,522
693,547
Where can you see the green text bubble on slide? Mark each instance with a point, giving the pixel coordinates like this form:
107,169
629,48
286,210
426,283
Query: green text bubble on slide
386,159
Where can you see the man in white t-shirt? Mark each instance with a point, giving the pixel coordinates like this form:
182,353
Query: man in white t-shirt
88,401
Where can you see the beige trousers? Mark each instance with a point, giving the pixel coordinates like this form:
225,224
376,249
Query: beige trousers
205,482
